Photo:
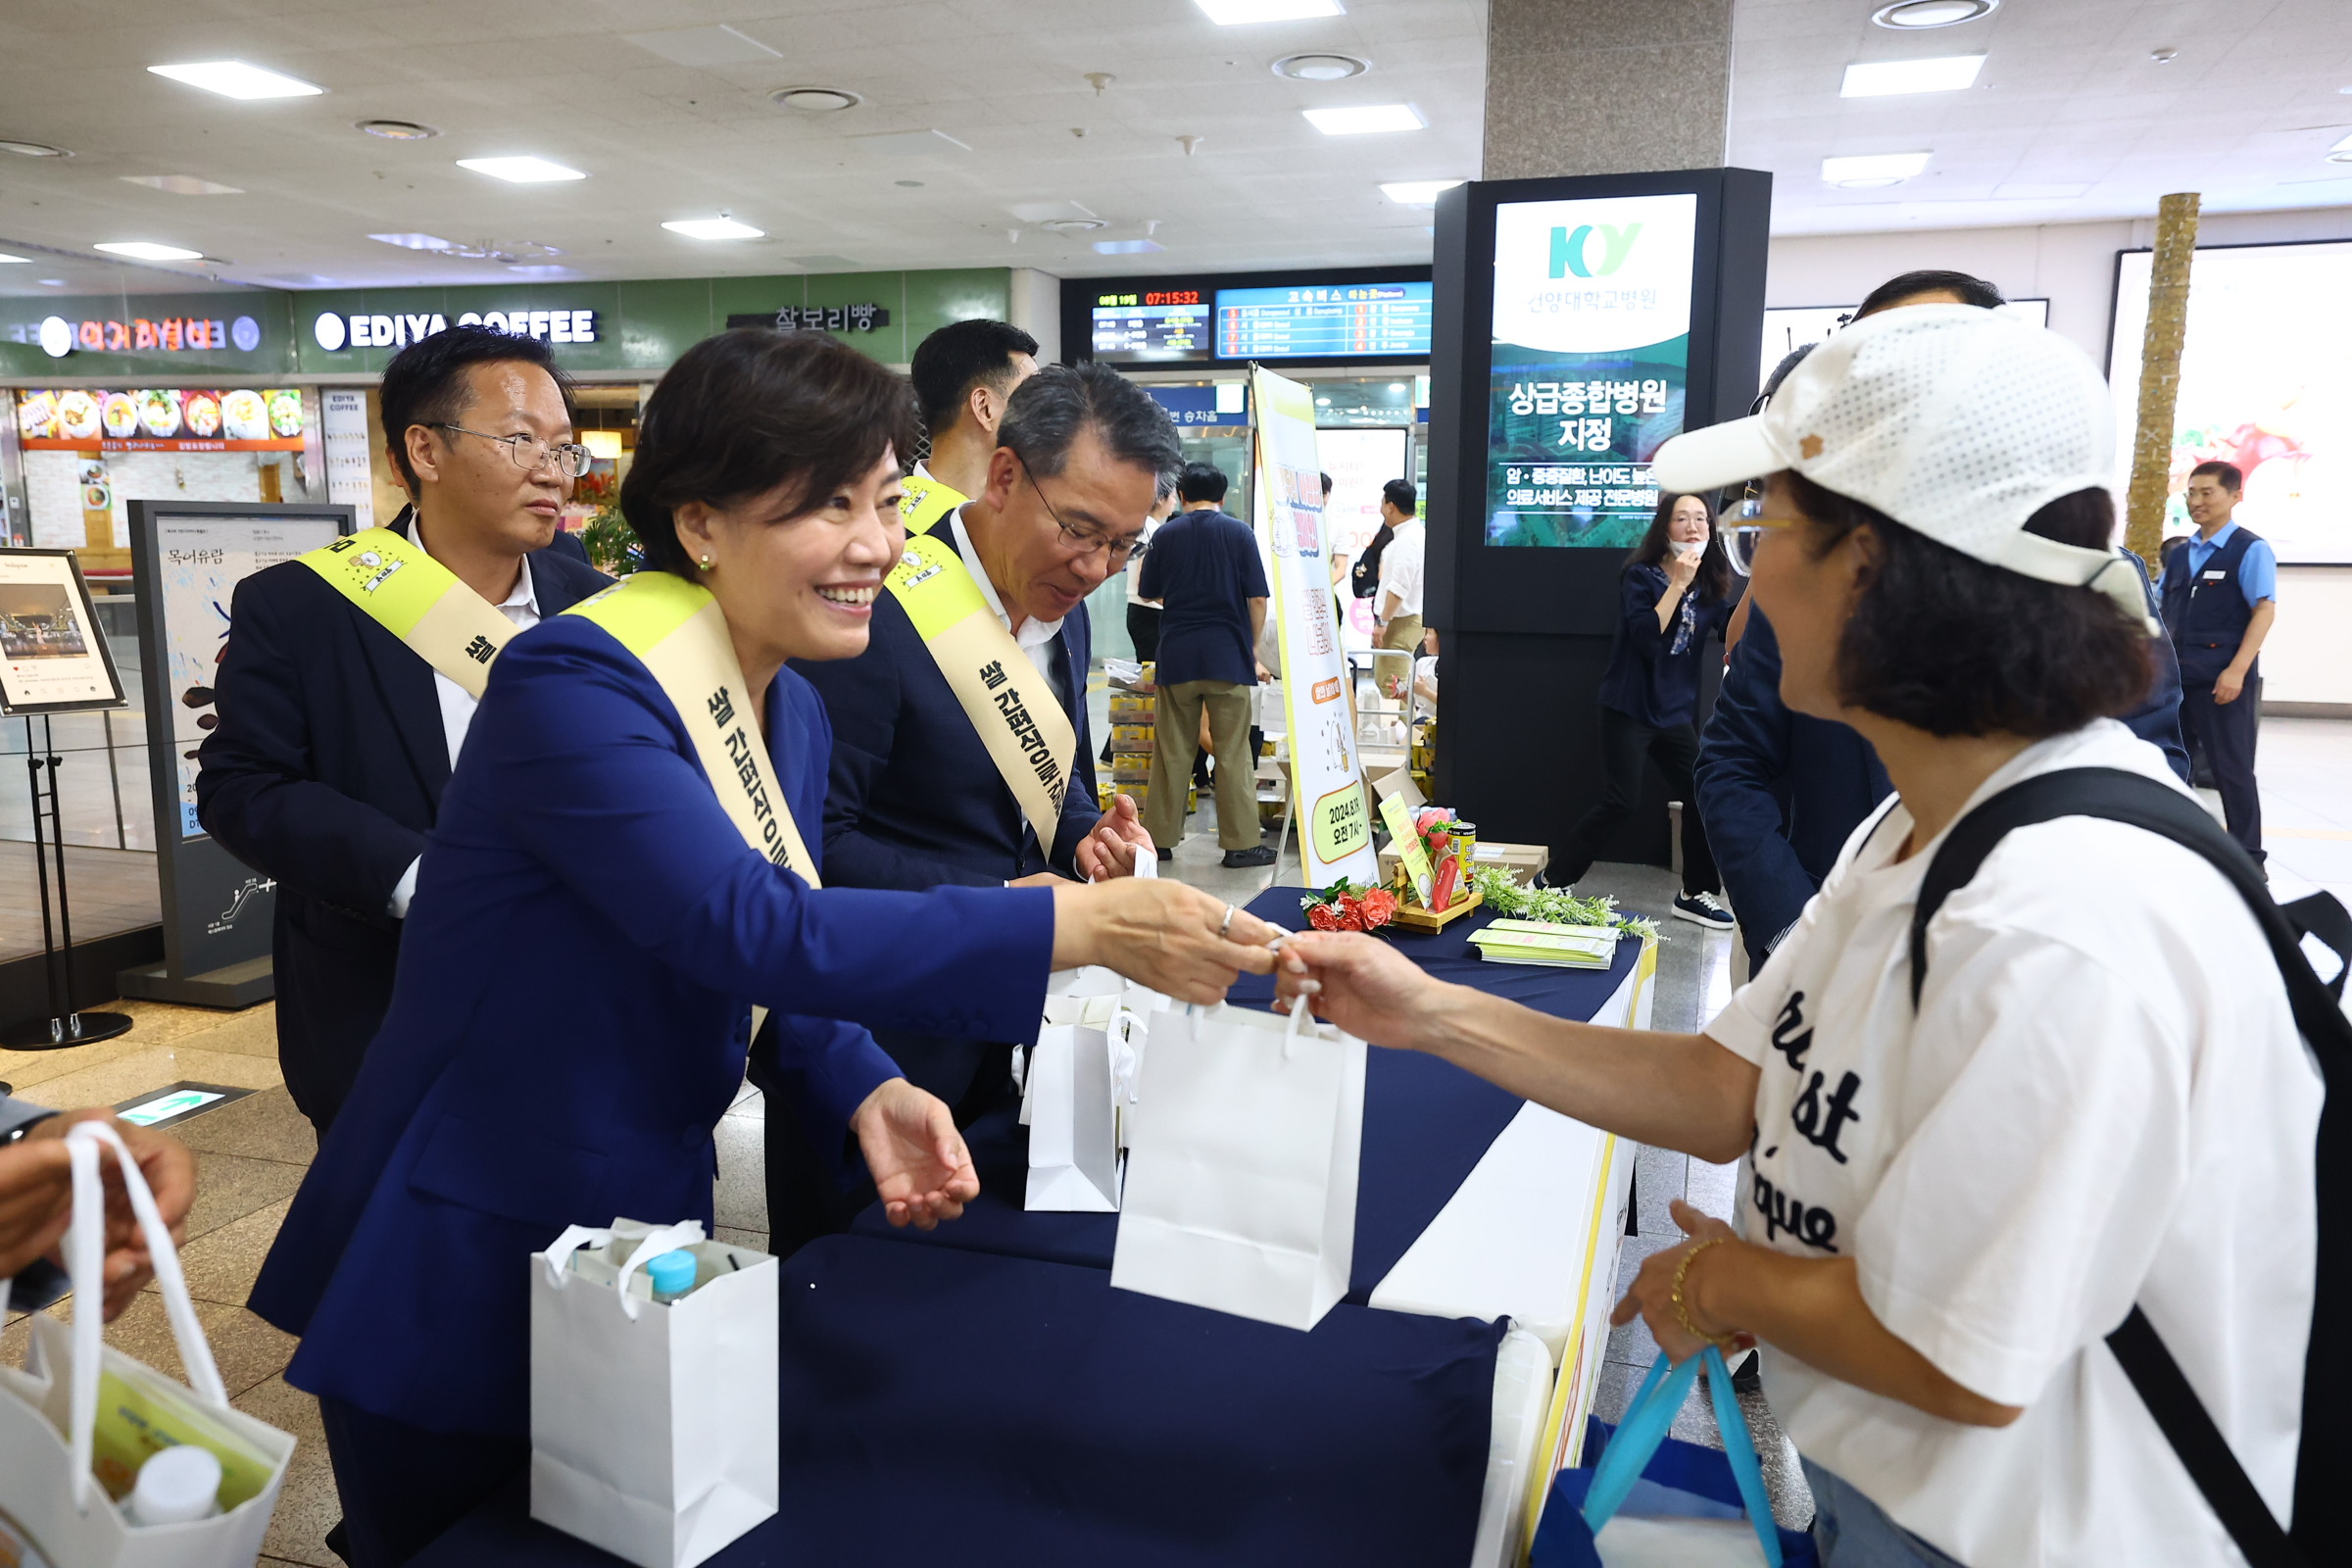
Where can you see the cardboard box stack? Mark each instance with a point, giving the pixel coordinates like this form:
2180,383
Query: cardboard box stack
1134,709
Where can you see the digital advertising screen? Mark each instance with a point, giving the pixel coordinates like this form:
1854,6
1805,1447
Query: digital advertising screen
2266,383
1589,367
1137,326
1324,321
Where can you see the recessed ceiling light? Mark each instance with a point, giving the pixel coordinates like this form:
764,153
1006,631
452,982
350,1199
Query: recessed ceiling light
33,149
416,242
1126,247
719,227
1233,13
1911,15
184,185
14,261
521,171
235,79
398,129
53,282
814,100
1073,225
1320,67
148,251
1358,119
1874,167
1884,78
1417,192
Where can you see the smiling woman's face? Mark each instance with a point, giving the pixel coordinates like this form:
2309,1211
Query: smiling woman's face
799,576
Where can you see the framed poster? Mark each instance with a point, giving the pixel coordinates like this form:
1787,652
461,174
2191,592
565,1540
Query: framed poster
187,558
53,657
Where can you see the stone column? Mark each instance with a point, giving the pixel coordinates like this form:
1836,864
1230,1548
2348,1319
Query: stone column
1607,87
2160,376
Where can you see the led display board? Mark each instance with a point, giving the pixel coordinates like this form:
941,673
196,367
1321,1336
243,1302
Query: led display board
1324,321
1139,325
1229,320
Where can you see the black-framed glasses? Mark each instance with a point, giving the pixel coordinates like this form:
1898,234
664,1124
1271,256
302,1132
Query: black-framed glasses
528,450
1081,542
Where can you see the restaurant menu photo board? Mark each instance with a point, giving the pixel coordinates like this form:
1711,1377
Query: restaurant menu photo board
1324,321
1589,367
2266,383
53,656
160,420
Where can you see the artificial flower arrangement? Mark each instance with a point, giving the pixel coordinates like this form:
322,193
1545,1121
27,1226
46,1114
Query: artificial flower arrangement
1556,905
1446,843
1346,907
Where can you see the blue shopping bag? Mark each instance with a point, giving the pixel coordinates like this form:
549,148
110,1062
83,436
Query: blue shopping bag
1643,1475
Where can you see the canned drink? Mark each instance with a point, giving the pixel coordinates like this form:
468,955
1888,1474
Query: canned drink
1466,841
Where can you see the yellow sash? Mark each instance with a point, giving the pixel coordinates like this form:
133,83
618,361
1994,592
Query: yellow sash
419,601
925,502
1011,704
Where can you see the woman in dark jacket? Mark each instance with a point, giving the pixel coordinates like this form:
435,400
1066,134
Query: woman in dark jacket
1677,595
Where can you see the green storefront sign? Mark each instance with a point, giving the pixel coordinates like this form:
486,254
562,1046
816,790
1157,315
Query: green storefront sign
172,337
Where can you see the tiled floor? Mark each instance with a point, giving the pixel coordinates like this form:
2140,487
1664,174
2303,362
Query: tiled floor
252,1153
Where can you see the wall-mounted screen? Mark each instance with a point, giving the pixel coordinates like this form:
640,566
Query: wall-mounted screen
1790,328
2266,383
1589,367
1138,325
1324,321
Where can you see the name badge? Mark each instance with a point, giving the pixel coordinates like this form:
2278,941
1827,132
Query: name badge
2217,576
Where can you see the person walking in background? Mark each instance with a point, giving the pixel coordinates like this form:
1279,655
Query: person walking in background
1203,570
1678,591
1397,610
2221,595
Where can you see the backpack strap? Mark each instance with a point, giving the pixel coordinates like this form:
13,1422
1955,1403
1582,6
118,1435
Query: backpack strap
2117,796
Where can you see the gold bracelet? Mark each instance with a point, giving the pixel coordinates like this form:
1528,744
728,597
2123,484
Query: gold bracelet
1681,1308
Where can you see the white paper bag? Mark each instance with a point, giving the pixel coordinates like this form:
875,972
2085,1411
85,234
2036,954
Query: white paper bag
1073,1122
52,1508
653,1426
1241,1177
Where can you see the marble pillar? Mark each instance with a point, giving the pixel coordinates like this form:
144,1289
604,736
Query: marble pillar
1607,87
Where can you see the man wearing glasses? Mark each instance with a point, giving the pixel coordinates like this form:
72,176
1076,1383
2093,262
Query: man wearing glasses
337,736
961,752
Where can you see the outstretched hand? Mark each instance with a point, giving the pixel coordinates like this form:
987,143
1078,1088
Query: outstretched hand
1361,984
915,1156
1175,939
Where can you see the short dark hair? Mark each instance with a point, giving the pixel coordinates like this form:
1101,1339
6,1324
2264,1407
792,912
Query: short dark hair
425,382
2232,479
1048,412
958,357
746,411
1947,644
1328,484
1971,289
1401,494
1201,481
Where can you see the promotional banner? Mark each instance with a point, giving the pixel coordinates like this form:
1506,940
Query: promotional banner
1591,351
158,420
1327,787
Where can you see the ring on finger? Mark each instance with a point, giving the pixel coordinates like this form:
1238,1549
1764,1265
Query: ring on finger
1226,924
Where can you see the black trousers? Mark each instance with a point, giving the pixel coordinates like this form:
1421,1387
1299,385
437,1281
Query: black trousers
1626,744
2225,733
403,1487
1142,630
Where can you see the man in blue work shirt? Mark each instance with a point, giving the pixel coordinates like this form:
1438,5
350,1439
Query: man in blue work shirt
2221,595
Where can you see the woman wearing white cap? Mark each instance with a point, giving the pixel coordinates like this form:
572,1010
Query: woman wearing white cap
2099,1098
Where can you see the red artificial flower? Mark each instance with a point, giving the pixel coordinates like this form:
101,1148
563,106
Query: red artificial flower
1379,907
1323,919
1351,913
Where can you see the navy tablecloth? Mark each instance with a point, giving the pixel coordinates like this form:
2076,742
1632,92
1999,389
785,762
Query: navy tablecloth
943,1408
1426,1122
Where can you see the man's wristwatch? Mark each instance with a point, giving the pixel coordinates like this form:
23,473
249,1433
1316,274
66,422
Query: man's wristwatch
23,1129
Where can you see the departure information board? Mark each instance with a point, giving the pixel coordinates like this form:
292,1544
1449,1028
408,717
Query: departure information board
1151,324
1339,321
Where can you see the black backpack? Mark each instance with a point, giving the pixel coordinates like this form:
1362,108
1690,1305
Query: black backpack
2324,1466
1363,577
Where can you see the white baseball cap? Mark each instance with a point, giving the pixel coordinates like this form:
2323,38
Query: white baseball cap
1956,421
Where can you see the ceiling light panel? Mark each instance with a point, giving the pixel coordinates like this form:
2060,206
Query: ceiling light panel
184,185
1417,192
521,171
1887,167
416,242
235,79
1363,120
144,250
1884,79
14,261
1236,12
714,228
33,149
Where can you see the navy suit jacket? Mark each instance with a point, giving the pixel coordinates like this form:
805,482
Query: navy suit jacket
572,1020
1782,792
325,774
914,801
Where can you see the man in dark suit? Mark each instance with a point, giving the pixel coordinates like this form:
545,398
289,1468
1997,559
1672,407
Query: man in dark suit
915,800
336,737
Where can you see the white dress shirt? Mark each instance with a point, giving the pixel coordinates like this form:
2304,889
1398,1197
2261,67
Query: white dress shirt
1035,637
521,606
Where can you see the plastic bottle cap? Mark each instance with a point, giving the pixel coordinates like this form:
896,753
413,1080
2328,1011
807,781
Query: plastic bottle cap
178,1485
672,1273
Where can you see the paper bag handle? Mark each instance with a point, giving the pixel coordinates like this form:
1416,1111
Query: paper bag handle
664,1239
559,1251
86,1264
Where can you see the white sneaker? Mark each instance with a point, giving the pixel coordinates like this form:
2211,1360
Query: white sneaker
1703,909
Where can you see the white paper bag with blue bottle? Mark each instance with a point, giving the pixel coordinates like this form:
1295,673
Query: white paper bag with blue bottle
653,1421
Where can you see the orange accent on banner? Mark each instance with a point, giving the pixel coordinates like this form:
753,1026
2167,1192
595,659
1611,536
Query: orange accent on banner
1326,690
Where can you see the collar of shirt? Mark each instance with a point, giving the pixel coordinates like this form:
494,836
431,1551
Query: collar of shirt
2201,550
521,606
1035,637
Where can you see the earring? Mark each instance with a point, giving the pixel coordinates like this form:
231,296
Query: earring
705,562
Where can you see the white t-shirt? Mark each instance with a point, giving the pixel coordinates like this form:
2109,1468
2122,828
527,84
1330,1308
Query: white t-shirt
1400,567
2103,1099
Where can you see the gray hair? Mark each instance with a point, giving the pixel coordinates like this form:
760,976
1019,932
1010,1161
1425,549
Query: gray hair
1046,415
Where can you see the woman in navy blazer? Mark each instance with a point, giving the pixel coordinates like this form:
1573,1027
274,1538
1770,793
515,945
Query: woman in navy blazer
572,1010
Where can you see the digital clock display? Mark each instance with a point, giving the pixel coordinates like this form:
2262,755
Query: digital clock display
1161,324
